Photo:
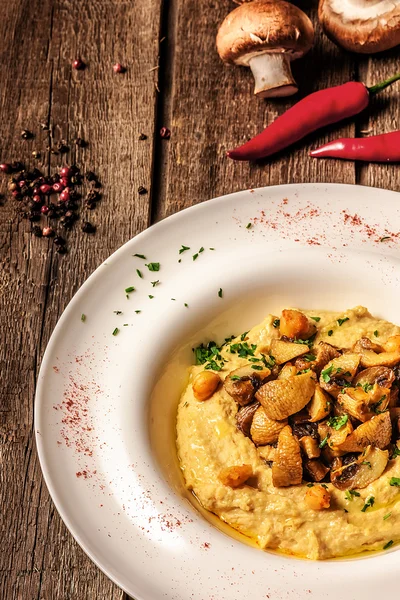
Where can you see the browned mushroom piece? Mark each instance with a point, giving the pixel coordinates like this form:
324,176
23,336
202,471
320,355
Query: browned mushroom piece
361,25
244,417
324,353
315,469
354,402
283,351
266,35
383,376
375,432
359,470
374,355
287,468
284,397
320,405
339,372
365,343
264,430
310,446
243,382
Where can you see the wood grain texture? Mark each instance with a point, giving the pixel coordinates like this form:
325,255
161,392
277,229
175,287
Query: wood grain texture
39,39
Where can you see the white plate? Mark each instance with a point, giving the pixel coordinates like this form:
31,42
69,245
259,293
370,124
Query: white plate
316,246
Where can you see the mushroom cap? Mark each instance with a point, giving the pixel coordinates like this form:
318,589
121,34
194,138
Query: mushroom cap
264,26
361,25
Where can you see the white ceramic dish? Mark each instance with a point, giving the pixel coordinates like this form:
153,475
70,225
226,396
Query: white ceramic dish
105,405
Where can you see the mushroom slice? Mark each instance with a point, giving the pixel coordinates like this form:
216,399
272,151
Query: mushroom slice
339,429
244,417
242,383
324,353
374,355
235,476
267,453
287,467
264,430
365,343
310,446
375,432
266,35
359,471
355,403
287,372
339,372
361,26
315,469
284,351
320,405
295,325
284,397
383,376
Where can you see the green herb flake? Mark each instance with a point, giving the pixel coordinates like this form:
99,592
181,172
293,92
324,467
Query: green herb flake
366,462
174,299
154,283
140,256
186,404
387,516
388,545
126,324
376,334
117,312
83,318
211,248
367,387
350,494
317,319
324,485
220,292
341,321
330,332
183,249
257,367
235,378
139,273
129,289
395,481
116,331
276,323
248,226
326,374
337,422
195,256
151,297
309,357
201,250
153,266
186,305
396,452
138,311
369,503
244,335
324,442
387,237
310,485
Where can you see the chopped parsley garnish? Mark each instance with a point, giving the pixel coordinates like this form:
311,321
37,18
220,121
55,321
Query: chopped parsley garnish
235,378
257,367
324,442
117,312
387,516
326,374
387,237
139,273
195,256
367,387
376,406
211,248
309,357
201,250
174,299
154,283
308,342
183,249
341,321
116,331
330,332
310,485
350,494
388,545
138,311
83,318
153,266
244,350
369,503
395,481
376,333
268,362
366,462
248,226
276,323
140,256
317,319
129,289
324,485
243,336
126,324
304,371
186,304
337,422
151,297
220,292
209,354
396,452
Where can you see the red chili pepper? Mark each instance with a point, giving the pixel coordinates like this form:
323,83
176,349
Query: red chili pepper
377,148
312,112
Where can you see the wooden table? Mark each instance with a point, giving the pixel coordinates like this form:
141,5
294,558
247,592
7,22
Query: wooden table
174,78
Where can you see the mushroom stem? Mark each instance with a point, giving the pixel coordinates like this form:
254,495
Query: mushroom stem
272,74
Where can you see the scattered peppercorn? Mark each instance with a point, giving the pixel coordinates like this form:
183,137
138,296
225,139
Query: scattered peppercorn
5,168
165,133
59,241
61,249
142,190
26,135
62,147
142,137
81,143
78,64
88,227
90,176
118,68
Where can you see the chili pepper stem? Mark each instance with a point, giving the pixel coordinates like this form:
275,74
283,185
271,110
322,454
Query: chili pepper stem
378,87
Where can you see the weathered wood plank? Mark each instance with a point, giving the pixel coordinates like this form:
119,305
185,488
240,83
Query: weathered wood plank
39,39
210,107
382,116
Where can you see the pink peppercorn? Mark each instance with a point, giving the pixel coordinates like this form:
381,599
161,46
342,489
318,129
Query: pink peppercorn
46,188
5,168
66,172
64,196
58,187
44,209
78,64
